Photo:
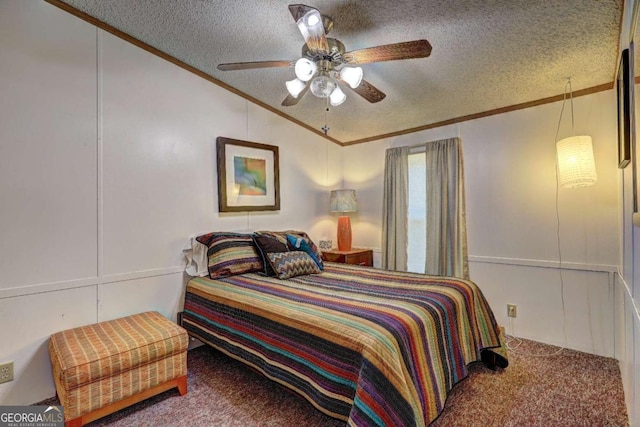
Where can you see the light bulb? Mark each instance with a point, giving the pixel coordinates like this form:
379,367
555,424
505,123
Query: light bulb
352,76
305,69
337,97
294,87
312,19
322,86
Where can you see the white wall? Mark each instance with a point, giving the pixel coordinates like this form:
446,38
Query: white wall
511,218
107,166
627,291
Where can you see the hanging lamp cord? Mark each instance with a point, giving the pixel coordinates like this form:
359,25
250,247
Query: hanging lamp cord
564,100
571,103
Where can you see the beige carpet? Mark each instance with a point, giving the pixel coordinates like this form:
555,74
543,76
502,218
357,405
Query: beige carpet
537,389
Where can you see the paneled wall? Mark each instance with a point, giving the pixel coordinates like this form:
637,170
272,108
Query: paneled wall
107,166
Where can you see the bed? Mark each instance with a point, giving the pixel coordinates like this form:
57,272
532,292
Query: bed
368,346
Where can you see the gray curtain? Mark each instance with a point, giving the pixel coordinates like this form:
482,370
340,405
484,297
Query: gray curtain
446,216
395,209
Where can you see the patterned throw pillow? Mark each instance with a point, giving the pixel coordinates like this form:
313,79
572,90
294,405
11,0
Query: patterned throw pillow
291,264
267,243
230,254
300,243
313,249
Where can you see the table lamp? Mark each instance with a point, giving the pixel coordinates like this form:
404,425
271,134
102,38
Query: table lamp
343,201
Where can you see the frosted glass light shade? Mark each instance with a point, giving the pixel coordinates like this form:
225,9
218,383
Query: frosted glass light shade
343,201
352,75
294,87
322,86
576,166
305,69
337,97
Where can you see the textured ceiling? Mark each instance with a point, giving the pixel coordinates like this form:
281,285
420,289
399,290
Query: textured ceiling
487,54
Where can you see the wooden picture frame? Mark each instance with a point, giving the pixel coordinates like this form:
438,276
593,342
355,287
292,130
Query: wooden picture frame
248,176
624,111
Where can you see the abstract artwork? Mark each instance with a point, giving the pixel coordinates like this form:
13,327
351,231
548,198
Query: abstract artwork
248,176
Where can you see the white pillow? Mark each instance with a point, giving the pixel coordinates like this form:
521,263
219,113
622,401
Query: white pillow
196,255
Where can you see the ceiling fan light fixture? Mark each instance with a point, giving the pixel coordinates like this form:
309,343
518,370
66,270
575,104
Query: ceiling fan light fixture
337,97
305,69
352,76
324,61
295,86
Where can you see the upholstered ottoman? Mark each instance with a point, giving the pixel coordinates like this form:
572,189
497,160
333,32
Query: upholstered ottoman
102,368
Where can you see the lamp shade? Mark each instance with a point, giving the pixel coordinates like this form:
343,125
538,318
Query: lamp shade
295,86
305,69
337,97
576,166
352,75
343,201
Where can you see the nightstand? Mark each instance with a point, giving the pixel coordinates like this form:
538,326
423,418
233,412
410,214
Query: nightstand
354,256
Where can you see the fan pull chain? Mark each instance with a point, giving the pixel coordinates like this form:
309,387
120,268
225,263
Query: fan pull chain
325,128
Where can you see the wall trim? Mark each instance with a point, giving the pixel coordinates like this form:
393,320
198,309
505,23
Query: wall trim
144,274
604,268
628,295
524,262
40,288
24,290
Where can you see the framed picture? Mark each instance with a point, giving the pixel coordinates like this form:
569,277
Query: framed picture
248,176
624,111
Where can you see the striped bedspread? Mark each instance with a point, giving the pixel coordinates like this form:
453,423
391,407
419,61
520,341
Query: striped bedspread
372,347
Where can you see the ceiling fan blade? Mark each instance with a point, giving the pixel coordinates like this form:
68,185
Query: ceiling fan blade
368,91
310,24
291,101
389,52
251,65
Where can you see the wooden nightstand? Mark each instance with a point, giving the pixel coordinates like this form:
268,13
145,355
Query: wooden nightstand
354,256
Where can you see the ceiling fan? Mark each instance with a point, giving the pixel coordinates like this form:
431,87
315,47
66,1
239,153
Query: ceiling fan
325,63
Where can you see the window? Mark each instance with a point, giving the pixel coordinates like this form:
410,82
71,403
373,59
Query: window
417,221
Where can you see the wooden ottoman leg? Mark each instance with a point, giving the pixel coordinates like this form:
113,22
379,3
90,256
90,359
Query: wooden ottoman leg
76,422
182,385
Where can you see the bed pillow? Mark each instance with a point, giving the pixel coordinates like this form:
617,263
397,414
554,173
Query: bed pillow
196,256
268,243
304,243
282,236
292,263
230,254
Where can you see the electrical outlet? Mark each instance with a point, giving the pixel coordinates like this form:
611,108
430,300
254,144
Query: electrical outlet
512,310
6,372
